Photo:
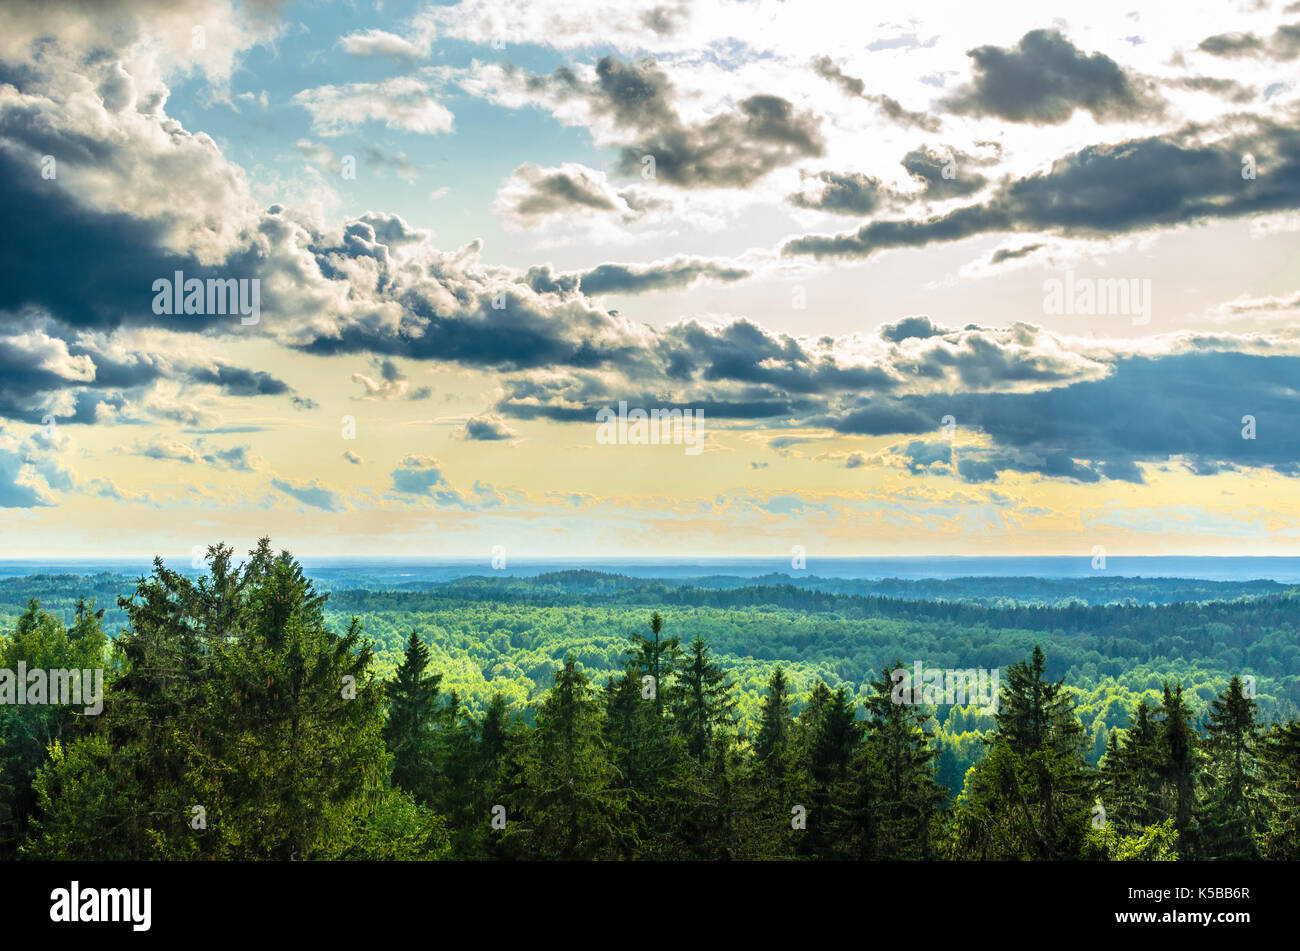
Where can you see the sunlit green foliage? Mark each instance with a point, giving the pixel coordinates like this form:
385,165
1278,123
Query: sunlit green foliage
560,717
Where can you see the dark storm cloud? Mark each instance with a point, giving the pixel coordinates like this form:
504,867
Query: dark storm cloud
986,465
825,67
24,374
944,175
1232,45
240,381
892,109
1045,78
560,191
1040,409
1109,189
743,352
1283,45
89,268
532,194
453,314
638,95
1043,408
543,280
886,416
522,335
761,405
488,429
849,194
41,357
1150,409
28,124
920,455
1228,89
742,371
497,320
634,279
920,327
1011,254
729,150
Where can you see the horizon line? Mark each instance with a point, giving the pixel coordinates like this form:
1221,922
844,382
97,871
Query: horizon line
637,558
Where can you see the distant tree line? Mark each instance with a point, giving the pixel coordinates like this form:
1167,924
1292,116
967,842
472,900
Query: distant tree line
237,725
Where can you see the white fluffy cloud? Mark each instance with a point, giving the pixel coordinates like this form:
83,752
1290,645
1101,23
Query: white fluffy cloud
401,103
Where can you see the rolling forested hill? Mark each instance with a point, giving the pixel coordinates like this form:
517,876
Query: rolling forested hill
584,715
1115,641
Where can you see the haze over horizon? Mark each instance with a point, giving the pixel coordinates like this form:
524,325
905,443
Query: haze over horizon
383,571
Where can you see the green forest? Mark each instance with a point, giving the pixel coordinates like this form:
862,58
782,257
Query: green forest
584,715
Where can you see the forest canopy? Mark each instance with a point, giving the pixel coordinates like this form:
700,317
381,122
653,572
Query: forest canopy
248,715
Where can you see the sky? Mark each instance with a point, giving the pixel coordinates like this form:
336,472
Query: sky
926,279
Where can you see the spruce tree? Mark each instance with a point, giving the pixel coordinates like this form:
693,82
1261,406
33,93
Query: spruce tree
898,800
412,718
1232,738
774,727
657,657
1030,707
771,795
636,744
706,703
1131,777
27,731
1179,765
1031,795
568,807
1279,834
238,706
832,736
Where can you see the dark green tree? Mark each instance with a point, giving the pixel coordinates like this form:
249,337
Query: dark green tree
657,657
27,731
771,744
1279,833
1030,797
409,731
829,737
706,703
1231,744
568,807
897,806
1179,766
240,727
1131,783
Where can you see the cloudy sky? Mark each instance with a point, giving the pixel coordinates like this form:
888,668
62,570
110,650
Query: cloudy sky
940,281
